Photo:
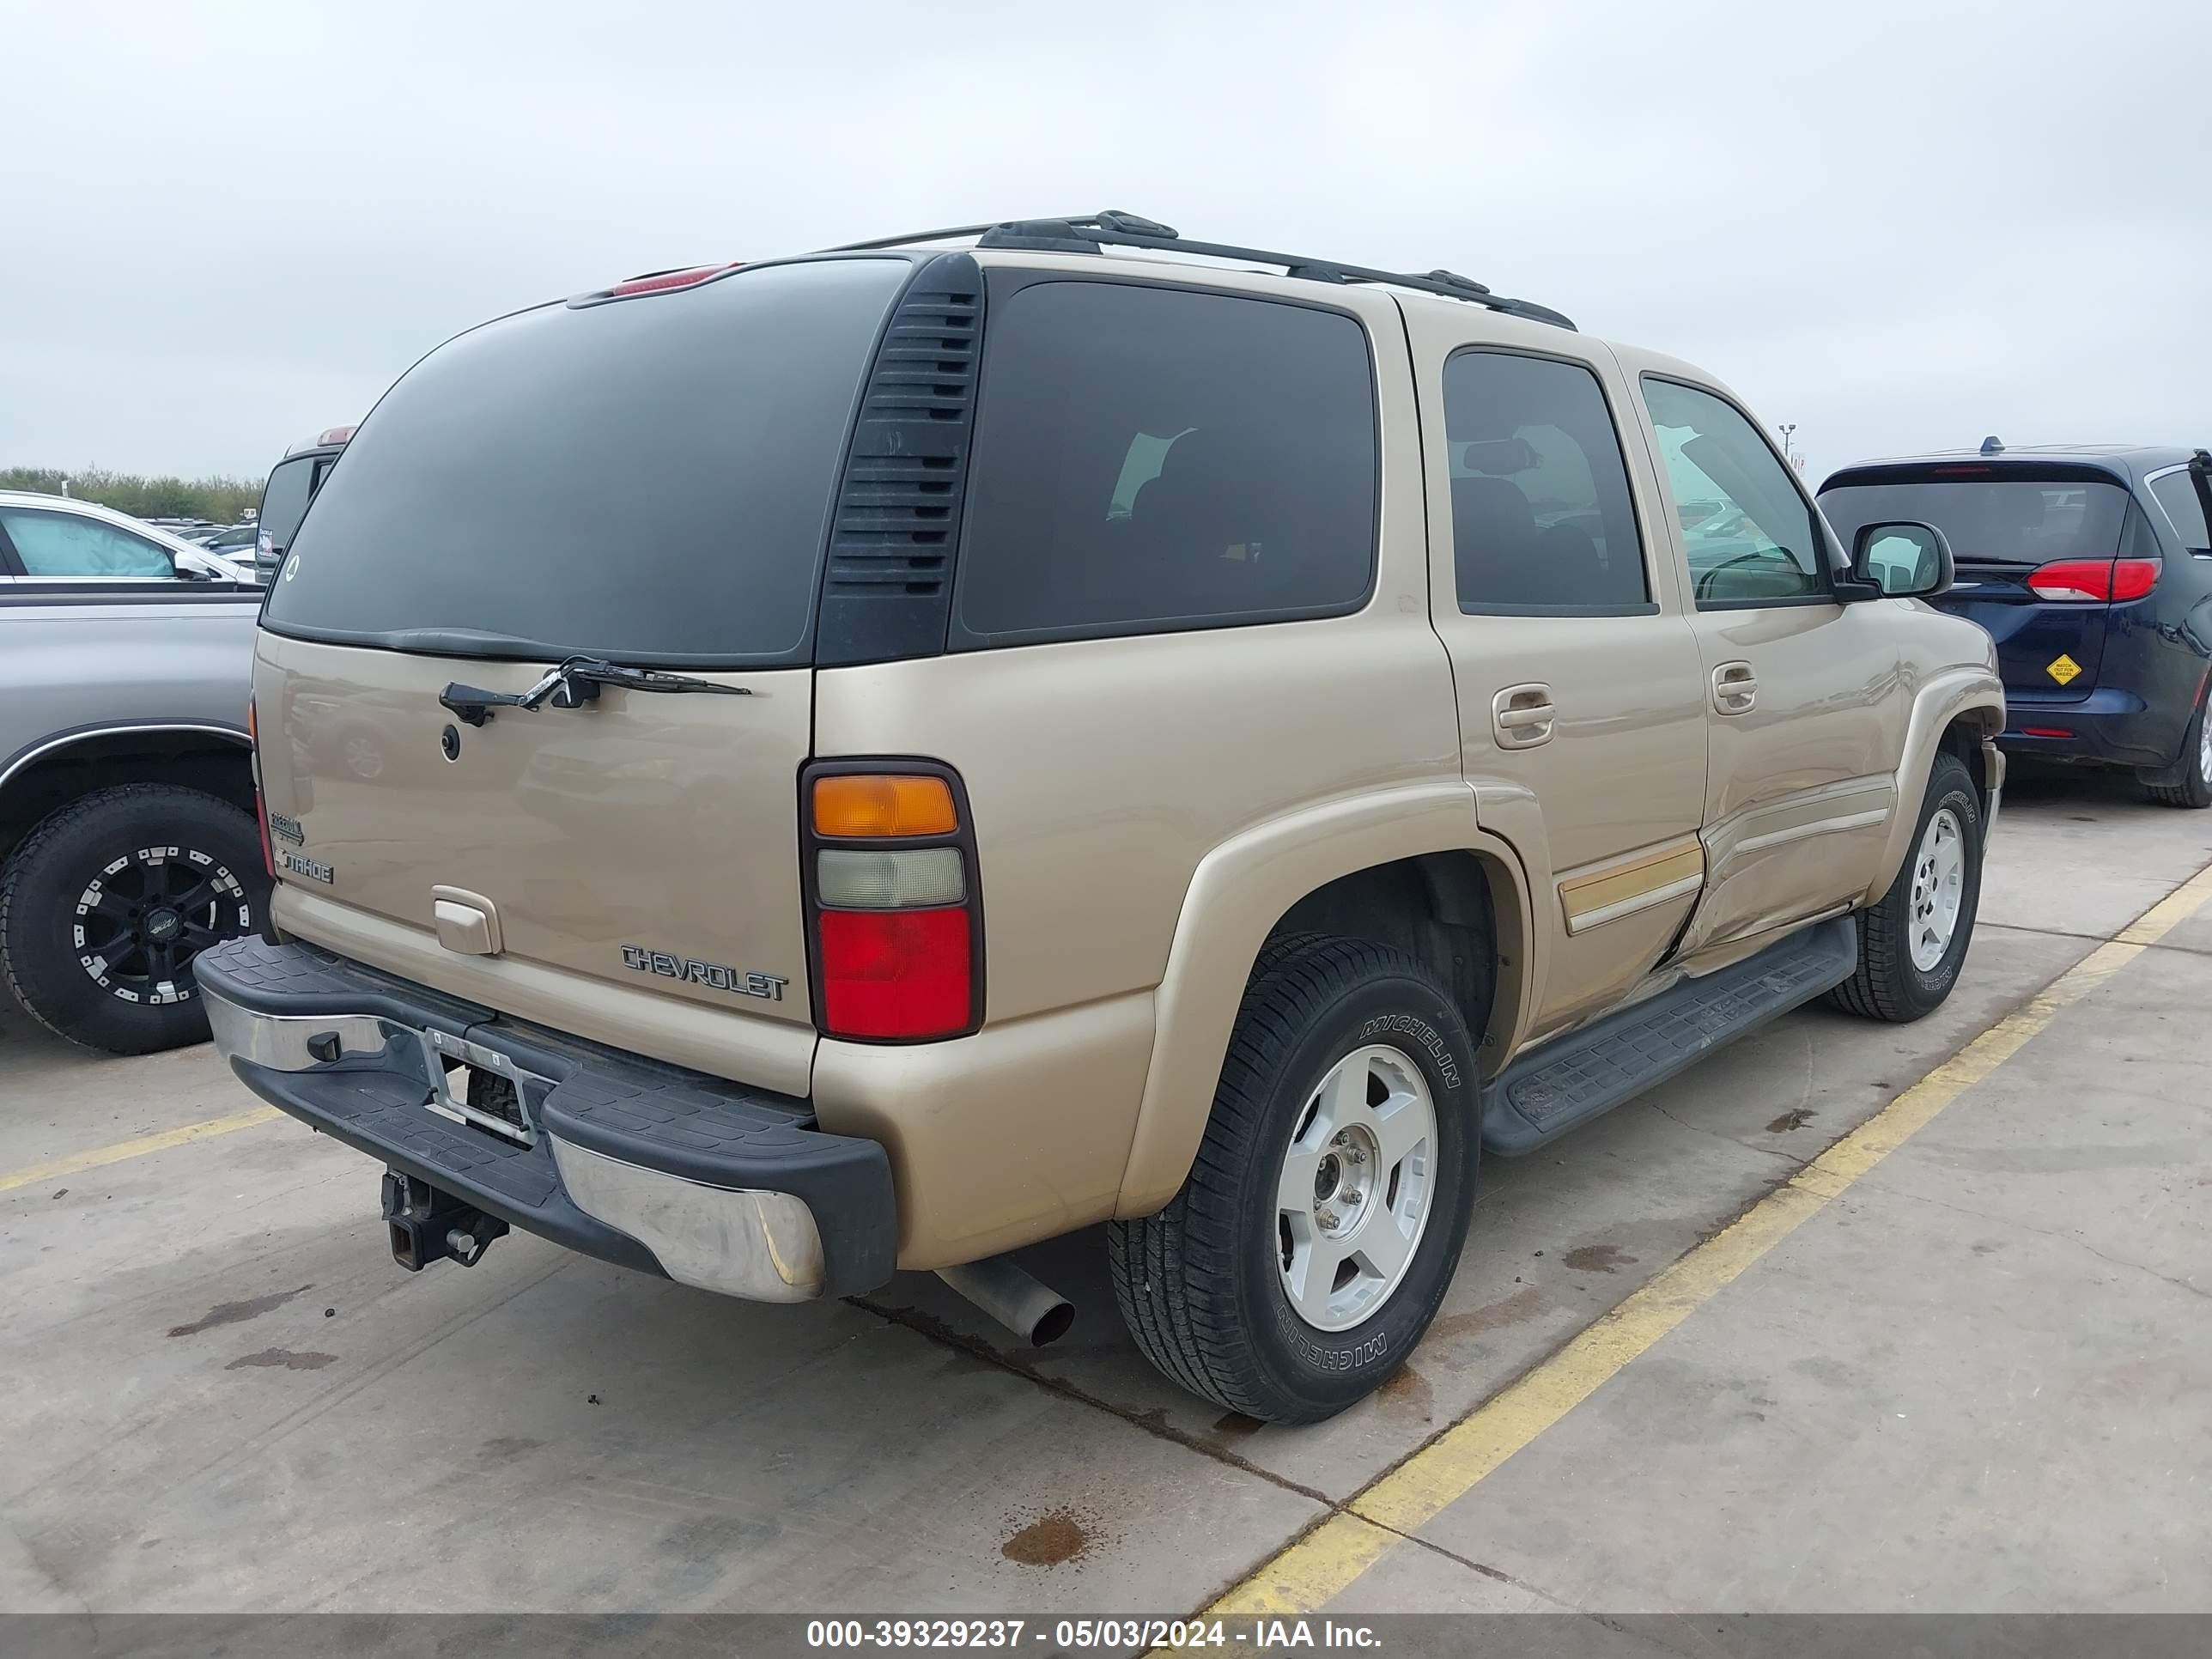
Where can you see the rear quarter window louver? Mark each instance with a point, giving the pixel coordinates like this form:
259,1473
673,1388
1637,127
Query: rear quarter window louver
887,585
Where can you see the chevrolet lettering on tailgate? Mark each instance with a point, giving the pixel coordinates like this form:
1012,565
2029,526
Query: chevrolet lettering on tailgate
711,975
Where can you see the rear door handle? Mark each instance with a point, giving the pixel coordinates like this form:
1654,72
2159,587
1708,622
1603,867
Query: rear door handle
1736,689
1521,716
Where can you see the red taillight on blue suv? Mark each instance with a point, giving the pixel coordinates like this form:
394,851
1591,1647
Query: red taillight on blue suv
2094,582
891,894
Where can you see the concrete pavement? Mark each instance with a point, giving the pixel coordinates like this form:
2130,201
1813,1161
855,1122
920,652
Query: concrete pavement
1980,1378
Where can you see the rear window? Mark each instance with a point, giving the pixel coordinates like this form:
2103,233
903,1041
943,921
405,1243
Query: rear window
284,499
1149,458
2024,520
648,479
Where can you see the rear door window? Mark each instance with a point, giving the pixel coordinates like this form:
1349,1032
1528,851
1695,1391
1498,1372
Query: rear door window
63,546
1750,536
2176,494
1541,518
1149,459
646,479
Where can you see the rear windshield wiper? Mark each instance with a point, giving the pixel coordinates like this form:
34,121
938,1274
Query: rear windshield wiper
575,681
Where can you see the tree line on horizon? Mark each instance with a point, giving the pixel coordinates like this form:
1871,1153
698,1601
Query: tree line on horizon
218,500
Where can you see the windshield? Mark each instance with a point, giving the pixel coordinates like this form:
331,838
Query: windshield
648,479
2011,521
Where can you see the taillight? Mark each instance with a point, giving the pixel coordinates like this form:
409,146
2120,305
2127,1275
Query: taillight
891,888
894,973
260,805
2094,582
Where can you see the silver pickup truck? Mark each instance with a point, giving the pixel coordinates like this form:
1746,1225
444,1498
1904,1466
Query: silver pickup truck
127,836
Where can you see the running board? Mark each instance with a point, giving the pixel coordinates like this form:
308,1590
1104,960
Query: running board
1588,1073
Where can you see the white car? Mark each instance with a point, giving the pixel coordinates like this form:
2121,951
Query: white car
55,538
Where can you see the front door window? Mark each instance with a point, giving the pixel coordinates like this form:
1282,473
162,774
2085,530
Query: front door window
1750,536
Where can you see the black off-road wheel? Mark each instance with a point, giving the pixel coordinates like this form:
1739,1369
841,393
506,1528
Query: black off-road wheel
1911,944
1316,1235
2189,782
104,905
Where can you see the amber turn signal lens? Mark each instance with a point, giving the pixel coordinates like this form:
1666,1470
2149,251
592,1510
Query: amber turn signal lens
873,806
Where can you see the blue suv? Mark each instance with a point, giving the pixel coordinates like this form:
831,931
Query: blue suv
2091,566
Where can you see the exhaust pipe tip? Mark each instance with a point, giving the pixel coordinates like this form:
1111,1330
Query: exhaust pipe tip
1032,1310
1054,1324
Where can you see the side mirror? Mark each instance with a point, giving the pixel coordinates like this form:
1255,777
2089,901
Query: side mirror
1905,561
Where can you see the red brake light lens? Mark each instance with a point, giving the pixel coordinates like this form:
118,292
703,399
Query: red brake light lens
2094,581
661,281
896,973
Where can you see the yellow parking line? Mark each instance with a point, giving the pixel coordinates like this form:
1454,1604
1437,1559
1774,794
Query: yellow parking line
54,1168
1313,1570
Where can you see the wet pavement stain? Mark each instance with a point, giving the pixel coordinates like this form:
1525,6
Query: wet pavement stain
1048,1541
237,1313
274,1358
1598,1259
1524,1303
506,1448
1788,1121
1408,1389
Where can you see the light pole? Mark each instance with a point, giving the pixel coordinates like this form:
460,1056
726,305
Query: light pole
1786,429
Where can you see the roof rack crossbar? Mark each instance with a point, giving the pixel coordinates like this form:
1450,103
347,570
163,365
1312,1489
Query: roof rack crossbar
1089,233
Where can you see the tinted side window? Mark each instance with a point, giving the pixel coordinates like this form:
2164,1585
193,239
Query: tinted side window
284,500
1540,512
2178,495
64,544
1153,458
1751,539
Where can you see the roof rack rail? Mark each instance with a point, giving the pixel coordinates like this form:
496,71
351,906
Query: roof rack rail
1092,233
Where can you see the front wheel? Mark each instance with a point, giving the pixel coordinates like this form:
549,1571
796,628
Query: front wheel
1317,1231
1913,943
104,905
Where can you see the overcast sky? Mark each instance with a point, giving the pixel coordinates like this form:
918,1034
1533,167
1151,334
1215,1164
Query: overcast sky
1900,227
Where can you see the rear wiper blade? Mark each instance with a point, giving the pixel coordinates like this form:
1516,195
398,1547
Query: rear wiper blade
573,681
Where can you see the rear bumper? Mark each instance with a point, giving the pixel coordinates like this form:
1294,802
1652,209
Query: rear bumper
710,1183
2114,727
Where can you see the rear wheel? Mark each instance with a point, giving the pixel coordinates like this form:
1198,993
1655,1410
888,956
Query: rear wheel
106,903
2190,782
1911,944
1320,1225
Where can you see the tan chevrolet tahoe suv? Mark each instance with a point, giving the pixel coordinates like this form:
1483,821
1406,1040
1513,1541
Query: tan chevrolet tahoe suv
779,773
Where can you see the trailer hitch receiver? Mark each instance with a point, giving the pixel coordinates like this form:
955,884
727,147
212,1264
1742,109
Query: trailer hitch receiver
427,1226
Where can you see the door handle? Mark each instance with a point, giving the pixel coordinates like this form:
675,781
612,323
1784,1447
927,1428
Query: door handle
1521,716
1736,689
